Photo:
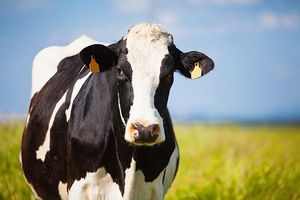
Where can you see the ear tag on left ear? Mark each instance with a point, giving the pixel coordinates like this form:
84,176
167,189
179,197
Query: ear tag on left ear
197,71
94,67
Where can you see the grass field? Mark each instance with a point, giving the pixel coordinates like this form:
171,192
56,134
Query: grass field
217,162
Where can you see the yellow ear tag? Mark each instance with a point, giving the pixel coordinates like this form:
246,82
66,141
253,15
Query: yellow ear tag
94,67
197,71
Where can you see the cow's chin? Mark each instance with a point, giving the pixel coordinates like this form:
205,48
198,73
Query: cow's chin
130,139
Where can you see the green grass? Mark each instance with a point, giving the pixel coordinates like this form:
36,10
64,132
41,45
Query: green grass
237,162
12,182
217,162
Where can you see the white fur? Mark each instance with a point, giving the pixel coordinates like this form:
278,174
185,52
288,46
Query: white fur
99,184
27,119
62,190
96,185
171,169
46,61
146,190
129,179
45,147
147,45
136,188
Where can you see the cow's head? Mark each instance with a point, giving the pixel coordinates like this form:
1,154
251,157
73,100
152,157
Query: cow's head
144,61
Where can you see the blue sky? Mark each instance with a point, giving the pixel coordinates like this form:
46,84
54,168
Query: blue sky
255,45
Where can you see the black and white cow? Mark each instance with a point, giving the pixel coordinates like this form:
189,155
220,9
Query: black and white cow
98,125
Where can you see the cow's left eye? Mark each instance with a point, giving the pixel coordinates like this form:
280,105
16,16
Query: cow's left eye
121,75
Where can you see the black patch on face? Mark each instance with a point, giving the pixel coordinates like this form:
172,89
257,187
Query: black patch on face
165,82
124,77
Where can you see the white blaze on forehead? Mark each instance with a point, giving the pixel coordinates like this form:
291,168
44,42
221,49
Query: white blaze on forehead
147,45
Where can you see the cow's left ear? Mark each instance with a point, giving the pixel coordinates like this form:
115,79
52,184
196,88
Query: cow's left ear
192,64
98,58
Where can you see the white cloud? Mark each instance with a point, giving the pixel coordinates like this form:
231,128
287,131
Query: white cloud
274,21
260,22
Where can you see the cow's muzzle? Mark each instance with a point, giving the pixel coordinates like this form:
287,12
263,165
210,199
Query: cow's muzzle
141,134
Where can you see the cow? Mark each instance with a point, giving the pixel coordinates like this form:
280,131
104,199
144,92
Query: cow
98,125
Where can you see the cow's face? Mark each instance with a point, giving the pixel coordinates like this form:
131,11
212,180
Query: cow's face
144,62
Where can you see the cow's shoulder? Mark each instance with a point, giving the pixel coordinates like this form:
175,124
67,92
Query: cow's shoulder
47,60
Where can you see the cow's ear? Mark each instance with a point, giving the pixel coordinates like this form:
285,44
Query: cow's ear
195,64
98,58
192,64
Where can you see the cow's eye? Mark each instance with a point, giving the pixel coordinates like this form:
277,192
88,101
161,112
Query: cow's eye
120,71
121,75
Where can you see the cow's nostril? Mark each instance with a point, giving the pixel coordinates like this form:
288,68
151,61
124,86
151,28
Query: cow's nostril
137,126
153,129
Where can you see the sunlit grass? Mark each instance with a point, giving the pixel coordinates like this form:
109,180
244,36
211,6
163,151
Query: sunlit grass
216,162
237,162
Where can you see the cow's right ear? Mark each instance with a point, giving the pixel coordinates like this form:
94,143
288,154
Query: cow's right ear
98,58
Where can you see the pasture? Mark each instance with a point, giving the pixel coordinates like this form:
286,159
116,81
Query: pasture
216,162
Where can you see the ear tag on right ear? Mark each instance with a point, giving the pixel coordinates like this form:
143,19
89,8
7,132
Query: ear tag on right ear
197,71
93,66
